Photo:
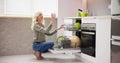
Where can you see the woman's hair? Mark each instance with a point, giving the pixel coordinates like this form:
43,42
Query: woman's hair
34,19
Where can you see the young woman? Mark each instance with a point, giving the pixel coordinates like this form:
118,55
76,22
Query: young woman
40,45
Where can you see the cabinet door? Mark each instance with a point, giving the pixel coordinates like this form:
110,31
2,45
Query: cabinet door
103,36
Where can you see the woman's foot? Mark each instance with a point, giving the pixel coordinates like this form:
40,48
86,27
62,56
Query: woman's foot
40,58
38,55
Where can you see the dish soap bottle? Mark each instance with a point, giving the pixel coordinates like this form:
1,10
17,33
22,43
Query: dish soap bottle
79,12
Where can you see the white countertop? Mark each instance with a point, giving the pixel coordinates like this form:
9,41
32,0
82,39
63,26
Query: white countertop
112,17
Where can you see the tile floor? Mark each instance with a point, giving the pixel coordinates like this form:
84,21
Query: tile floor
49,58
55,58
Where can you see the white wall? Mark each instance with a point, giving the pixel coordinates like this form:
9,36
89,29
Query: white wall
28,7
98,7
1,6
22,7
67,8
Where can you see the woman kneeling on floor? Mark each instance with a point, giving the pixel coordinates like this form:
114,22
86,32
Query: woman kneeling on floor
39,44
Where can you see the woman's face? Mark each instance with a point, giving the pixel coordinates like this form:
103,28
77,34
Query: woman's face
40,18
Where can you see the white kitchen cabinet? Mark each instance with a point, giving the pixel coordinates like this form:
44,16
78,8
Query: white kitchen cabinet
103,36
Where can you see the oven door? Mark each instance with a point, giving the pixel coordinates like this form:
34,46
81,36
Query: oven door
88,42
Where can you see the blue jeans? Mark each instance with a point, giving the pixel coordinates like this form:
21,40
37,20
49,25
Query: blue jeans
42,46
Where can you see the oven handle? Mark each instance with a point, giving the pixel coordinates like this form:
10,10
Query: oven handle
91,33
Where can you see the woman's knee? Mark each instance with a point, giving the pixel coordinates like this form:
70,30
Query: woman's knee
51,43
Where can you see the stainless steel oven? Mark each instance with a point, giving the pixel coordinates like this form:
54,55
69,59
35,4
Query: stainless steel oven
88,38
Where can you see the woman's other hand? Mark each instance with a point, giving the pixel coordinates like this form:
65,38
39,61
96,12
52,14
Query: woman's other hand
62,26
53,17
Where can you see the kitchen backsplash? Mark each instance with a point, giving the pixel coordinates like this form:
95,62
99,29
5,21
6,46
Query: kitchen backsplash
16,36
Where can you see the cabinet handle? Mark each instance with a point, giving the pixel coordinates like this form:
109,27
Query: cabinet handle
117,40
91,33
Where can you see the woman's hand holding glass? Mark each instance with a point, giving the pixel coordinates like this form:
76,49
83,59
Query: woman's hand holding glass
53,17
